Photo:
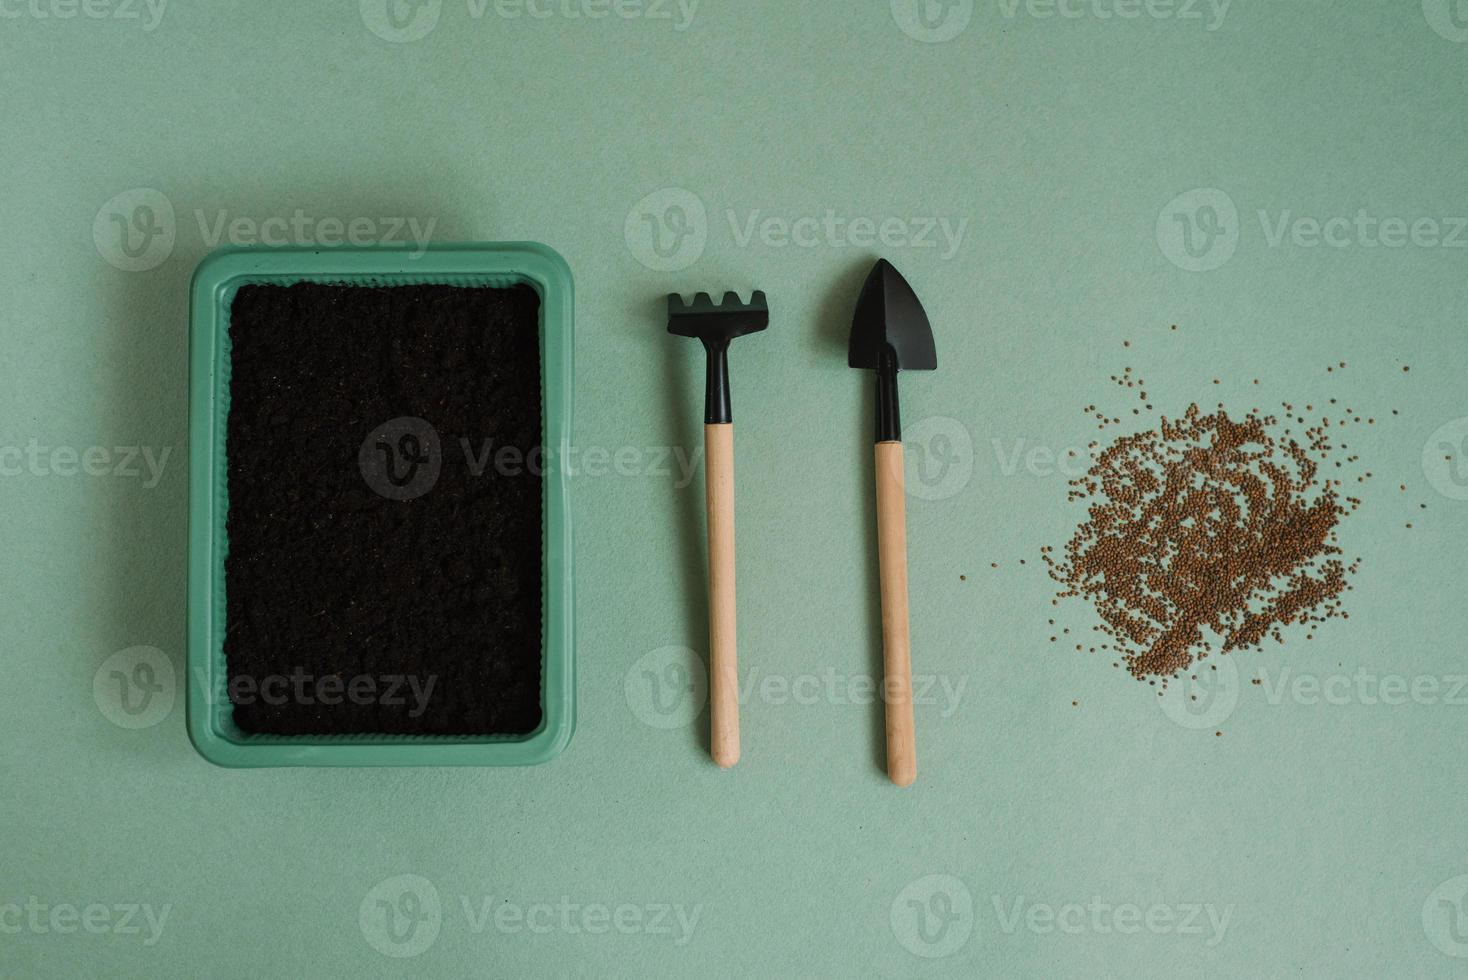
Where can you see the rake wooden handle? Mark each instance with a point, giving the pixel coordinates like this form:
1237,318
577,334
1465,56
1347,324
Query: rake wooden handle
896,646
723,659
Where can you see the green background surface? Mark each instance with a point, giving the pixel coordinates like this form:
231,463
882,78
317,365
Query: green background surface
1330,835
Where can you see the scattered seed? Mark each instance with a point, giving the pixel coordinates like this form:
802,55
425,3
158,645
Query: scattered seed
1204,500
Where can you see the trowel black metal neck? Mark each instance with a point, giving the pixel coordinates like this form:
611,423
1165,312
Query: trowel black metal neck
889,415
716,407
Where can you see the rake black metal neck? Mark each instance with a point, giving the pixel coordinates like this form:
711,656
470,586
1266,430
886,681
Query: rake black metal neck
889,414
716,407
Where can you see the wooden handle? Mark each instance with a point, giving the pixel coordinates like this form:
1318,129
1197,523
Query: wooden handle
896,646
723,659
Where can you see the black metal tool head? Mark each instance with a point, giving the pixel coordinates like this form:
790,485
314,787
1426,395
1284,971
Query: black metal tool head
714,322
889,317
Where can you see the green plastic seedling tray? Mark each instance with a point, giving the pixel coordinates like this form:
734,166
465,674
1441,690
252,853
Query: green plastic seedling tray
210,714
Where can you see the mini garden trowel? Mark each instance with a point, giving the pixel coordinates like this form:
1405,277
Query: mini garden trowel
890,333
716,325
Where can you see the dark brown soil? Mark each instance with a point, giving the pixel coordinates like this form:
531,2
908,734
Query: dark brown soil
364,593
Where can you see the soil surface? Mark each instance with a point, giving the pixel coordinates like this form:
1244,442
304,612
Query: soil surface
385,546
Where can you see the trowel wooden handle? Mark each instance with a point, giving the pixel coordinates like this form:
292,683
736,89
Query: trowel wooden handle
723,659
896,647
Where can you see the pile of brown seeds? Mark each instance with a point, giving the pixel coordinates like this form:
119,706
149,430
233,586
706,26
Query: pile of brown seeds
1208,532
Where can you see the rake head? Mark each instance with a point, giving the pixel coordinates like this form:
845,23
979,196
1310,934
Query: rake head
717,323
